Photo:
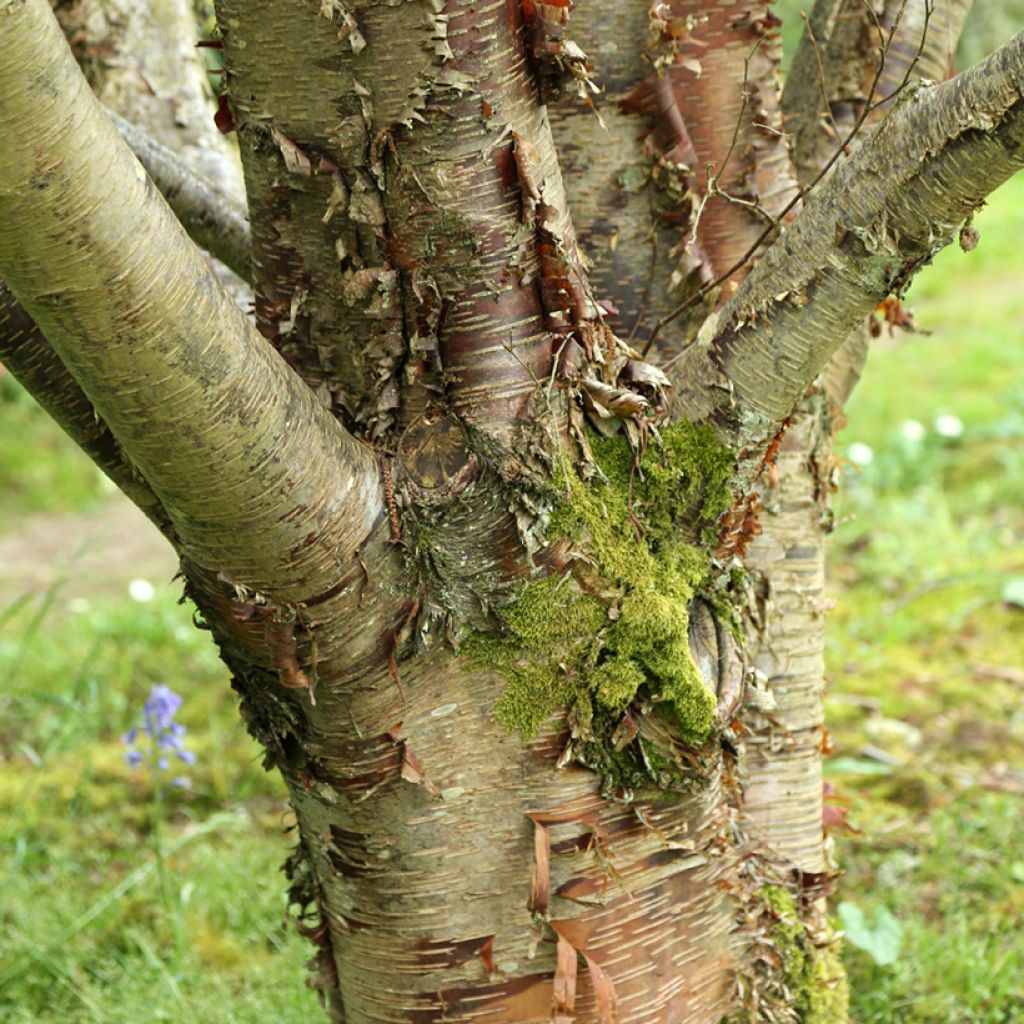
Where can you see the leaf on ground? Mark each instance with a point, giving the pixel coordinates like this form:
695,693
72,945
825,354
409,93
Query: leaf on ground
881,938
1013,592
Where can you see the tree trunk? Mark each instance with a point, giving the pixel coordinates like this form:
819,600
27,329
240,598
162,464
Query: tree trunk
469,557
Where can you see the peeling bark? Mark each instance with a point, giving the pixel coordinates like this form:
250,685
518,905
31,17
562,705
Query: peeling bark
454,267
881,216
416,263
413,249
723,75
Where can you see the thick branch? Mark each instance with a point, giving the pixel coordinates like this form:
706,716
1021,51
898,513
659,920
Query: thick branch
27,354
214,219
246,462
880,218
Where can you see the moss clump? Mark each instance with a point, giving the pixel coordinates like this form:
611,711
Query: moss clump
652,634
548,642
813,974
616,681
620,626
826,996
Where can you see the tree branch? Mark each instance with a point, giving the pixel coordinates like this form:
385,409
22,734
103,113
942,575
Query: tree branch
246,462
881,217
838,69
214,219
28,356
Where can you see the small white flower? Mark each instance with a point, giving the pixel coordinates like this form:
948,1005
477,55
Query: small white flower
949,426
860,454
913,431
141,590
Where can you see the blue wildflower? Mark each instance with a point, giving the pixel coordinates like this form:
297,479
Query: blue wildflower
162,731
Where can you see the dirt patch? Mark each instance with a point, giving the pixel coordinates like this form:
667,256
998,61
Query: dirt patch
92,554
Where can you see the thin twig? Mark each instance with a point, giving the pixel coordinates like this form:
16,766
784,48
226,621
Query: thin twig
645,298
797,198
713,179
821,73
711,185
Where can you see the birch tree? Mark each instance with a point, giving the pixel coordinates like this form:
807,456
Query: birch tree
505,509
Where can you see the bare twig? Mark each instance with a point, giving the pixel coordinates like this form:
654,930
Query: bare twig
821,73
797,198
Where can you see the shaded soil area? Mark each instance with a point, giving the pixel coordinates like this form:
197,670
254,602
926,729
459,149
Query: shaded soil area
86,555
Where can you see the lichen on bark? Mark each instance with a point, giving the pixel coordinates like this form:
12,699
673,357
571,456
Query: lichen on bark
610,627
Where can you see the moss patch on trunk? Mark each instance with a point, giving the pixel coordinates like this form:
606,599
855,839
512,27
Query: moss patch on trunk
812,972
615,626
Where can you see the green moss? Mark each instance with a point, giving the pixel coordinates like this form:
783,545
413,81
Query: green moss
826,995
618,629
552,612
616,681
813,974
549,640
653,632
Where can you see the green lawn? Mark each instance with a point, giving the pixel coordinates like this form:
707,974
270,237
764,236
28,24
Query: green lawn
87,936
926,642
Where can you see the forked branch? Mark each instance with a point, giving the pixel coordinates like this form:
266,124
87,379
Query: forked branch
238,451
883,215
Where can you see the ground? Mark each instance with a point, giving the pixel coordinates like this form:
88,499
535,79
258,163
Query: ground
926,662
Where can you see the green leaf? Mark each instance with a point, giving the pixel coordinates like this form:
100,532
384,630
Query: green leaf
881,938
855,766
1013,591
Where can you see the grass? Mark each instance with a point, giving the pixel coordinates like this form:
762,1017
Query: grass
926,643
926,713
43,470
86,936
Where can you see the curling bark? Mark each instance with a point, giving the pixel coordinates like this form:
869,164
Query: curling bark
380,477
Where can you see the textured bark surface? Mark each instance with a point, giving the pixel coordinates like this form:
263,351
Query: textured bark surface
836,71
216,220
724,82
421,271
27,354
880,217
345,527
133,322
140,58
782,795
685,164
